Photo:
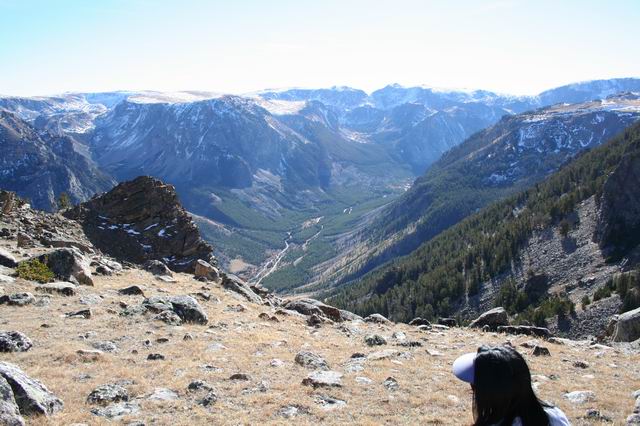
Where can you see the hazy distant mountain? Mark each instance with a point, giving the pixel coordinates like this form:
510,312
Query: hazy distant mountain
40,165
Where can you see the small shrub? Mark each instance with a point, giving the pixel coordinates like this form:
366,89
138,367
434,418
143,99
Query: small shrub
564,228
34,270
585,301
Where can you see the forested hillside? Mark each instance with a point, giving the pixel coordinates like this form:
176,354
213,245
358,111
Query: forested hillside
435,279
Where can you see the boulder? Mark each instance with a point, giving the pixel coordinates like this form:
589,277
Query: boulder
133,290
540,351
525,329
311,360
323,379
375,340
419,321
627,328
107,394
7,259
303,307
449,322
185,307
206,270
235,284
59,287
68,264
31,396
9,411
14,341
493,318
17,299
377,319
157,268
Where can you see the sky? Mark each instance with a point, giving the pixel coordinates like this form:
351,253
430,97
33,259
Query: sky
239,46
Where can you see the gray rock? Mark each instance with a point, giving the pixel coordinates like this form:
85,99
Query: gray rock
419,321
199,385
31,396
329,403
235,284
17,299
323,379
168,317
107,394
311,360
14,341
377,318
391,383
84,313
209,399
9,411
186,307
163,394
115,411
68,264
540,351
155,357
525,329
290,411
133,290
156,267
449,322
240,376
627,329
59,287
375,340
580,397
106,346
493,319
7,259
206,270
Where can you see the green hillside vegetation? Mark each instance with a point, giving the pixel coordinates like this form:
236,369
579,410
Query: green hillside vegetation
431,281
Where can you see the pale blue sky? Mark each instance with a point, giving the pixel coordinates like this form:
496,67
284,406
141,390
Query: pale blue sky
236,46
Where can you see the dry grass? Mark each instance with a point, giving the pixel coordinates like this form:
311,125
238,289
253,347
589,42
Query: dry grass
428,393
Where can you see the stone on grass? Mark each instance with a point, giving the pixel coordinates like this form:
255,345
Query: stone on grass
163,394
492,319
377,319
7,259
375,340
115,411
107,394
14,341
68,264
540,351
206,270
329,403
627,329
323,379
17,299
59,287
419,321
155,357
133,290
391,383
156,267
311,360
580,397
240,376
31,396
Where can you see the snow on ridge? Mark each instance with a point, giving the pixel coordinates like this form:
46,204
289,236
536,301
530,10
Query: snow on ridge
150,97
281,107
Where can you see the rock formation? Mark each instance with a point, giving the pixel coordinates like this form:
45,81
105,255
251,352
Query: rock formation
143,220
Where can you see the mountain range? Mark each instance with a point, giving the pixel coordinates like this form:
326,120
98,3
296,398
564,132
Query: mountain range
285,183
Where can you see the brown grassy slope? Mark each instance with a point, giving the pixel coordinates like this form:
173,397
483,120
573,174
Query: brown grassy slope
428,393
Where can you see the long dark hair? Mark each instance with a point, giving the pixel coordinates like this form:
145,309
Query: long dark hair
502,389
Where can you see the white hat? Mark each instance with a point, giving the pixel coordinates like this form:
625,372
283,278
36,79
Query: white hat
464,367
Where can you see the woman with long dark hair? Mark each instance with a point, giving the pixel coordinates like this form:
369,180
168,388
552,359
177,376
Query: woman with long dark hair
502,392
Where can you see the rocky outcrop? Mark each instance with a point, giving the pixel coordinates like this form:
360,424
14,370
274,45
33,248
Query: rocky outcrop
525,329
619,219
627,328
493,318
31,396
143,220
315,307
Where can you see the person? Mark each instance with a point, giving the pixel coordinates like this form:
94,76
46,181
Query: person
502,392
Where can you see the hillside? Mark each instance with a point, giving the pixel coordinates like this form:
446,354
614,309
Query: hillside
143,344
498,161
494,255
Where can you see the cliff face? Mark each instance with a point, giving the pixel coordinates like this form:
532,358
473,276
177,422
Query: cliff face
619,221
142,220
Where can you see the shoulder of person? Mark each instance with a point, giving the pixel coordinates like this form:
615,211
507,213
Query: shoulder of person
556,416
